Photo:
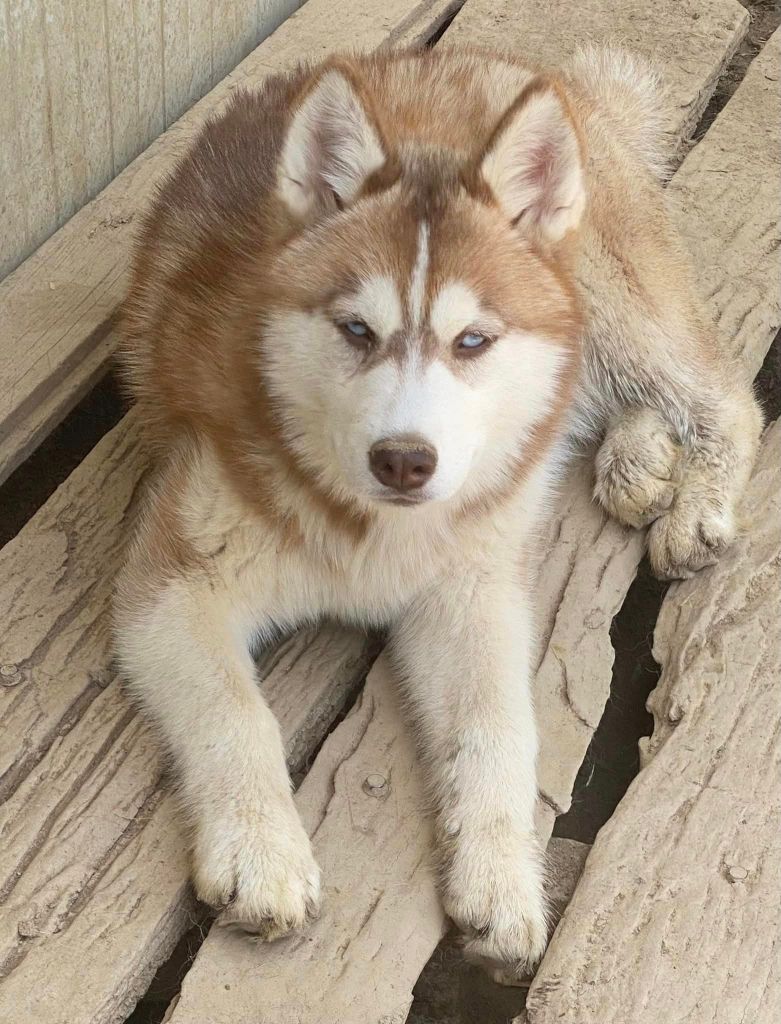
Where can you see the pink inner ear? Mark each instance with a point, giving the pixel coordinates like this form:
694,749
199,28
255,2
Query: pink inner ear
543,164
543,173
538,176
534,167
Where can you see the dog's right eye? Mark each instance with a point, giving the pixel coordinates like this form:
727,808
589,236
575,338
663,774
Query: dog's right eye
360,330
357,332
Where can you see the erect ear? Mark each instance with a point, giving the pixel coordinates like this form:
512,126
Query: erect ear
533,163
332,147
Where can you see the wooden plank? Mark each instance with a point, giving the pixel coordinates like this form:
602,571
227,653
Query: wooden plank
56,309
690,41
564,863
24,56
728,196
677,914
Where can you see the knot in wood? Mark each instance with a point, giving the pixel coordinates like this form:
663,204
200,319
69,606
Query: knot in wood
10,675
736,873
675,713
375,784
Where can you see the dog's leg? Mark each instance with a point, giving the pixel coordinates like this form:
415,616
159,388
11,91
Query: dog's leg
184,650
462,652
682,432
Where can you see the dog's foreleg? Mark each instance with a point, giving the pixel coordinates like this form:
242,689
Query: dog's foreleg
462,652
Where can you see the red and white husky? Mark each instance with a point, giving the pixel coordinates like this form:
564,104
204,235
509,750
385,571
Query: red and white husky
365,310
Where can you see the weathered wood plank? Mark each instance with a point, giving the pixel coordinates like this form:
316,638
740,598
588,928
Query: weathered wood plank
56,308
677,914
688,40
564,863
726,197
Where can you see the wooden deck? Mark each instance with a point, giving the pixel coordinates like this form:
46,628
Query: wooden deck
676,914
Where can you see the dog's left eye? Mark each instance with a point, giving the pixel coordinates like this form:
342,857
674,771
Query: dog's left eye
472,341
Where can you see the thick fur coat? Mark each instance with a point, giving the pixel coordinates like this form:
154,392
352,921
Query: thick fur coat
367,309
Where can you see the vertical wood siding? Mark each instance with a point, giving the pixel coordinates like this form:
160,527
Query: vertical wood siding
85,85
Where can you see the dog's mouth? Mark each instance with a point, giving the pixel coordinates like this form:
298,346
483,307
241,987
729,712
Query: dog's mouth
403,500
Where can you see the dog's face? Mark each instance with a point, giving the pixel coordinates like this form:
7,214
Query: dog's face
417,337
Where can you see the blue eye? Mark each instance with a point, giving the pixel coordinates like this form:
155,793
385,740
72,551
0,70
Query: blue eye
472,340
357,333
357,328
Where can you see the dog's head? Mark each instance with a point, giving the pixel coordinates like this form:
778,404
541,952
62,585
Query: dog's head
421,332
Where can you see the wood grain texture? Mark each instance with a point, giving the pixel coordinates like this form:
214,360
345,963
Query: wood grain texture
688,40
90,84
677,916
56,309
727,198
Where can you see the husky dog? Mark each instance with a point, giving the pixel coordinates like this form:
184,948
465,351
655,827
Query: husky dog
365,309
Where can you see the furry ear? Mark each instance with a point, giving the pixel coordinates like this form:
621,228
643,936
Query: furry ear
533,163
332,147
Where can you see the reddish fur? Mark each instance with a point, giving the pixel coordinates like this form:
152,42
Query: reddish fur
214,255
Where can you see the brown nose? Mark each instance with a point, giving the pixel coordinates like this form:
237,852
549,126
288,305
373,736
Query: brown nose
402,465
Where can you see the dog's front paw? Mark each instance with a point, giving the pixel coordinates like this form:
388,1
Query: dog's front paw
637,469
493,891
257,868
692,535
